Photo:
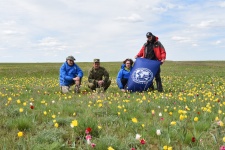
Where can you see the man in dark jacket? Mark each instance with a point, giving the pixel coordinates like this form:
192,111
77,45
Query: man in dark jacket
154,50
98,77
70,74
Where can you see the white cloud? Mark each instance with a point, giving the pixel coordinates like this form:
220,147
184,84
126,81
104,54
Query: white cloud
9,32
218,42
50,43
207,23
222,4
131,18
195,44
180,39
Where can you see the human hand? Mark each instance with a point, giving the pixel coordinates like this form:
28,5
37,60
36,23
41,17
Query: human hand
123,90
162,61
135,57
76,79
100,82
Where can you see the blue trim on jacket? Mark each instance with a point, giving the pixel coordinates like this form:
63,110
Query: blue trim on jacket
123,73
67,73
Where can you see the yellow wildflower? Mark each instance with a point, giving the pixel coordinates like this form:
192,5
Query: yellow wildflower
221,123
196,119
181,117
153,112
110,148
74,123
56,125
20,134
224,139
170,148
21,110
217,119
45,113
165,147
134,120
173,123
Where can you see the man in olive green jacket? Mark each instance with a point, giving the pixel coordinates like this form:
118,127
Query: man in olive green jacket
98,77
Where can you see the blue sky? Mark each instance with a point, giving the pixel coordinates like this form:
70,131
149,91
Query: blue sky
111,30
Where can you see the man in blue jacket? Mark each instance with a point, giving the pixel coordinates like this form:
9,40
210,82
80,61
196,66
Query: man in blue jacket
70,74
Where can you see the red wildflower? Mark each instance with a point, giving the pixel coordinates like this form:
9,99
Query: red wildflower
31,107
88,137
132,148
88,130
193,139
222,147
93,145
142,141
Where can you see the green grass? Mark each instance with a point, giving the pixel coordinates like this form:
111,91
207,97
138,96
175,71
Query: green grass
192,89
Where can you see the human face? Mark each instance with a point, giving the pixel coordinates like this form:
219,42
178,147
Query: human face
149,38
70,62
96,65
128,64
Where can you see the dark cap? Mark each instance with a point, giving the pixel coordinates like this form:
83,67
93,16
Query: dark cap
149,34
96,60
70,58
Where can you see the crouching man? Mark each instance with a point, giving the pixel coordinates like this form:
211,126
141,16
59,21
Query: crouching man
98,77
70,74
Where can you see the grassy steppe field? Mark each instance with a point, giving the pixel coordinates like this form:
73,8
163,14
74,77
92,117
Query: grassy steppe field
188,115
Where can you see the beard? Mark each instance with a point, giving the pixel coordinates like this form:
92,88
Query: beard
153,39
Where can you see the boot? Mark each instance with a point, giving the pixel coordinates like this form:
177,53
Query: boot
77,89
159,86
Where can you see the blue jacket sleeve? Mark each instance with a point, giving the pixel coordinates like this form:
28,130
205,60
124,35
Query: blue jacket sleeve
63,73
118,79
79,72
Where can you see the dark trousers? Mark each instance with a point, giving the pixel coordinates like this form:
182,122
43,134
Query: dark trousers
124,82
158,81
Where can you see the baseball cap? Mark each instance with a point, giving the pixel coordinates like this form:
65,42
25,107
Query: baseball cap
96,60
148,34
70,58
